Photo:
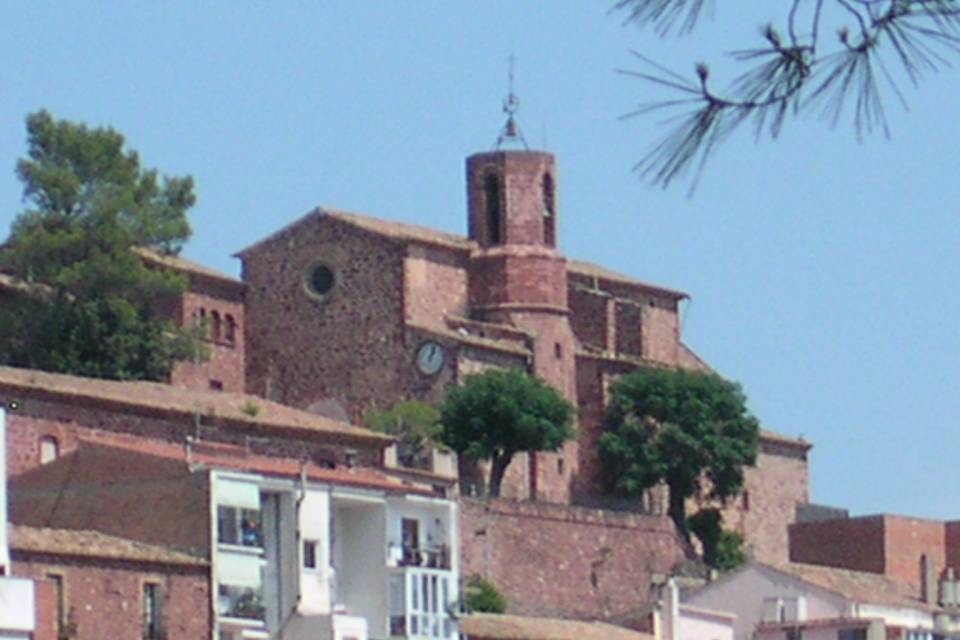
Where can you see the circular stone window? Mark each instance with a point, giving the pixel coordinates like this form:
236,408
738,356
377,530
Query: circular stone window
320,280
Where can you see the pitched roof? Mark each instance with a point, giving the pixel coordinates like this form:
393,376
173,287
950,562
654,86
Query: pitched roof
388,228
93,544
183,265
234,408
861,586
592,270
487,626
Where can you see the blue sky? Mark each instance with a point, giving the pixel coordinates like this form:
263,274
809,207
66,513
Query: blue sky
822,271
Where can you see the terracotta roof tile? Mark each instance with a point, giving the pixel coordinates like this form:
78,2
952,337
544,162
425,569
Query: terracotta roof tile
183,265
592,270
234,408
861,586
486,626
93,544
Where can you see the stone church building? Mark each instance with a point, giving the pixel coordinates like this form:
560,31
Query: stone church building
345,313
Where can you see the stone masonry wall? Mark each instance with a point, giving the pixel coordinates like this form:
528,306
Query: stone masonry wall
104,599
223,370
435,286
68,422
850,543
569,562
767,506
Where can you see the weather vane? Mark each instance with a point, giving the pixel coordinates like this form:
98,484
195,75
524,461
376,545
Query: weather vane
511,131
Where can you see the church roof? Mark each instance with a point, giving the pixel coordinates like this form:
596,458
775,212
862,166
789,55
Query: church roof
236,408
406,232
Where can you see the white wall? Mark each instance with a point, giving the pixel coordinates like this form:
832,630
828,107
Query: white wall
4,548
315,596
359,558
743,591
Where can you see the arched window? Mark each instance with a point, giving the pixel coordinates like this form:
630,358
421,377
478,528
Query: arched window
49,449
216,326
231,329
549,211
491,188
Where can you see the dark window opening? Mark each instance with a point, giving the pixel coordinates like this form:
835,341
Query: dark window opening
491,187
745,500
410,541
216,385
321,279
557,350
560,466
216,325
231,329
309,554
60,605
151,612
549,212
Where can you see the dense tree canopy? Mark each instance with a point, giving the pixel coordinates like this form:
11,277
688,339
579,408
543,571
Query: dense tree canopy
687,429
92,307
500,413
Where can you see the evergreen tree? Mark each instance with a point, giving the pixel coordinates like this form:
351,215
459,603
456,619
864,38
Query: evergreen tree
92,307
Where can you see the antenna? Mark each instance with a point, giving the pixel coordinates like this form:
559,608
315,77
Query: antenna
511,131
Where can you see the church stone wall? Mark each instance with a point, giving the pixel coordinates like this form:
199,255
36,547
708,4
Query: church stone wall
435,285
563,561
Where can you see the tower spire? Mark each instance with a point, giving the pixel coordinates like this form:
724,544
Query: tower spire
511,131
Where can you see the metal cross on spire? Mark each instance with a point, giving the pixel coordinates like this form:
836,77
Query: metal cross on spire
511,131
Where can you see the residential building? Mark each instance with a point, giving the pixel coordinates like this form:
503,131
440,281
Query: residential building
18,595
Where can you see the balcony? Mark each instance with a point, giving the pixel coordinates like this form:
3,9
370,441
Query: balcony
419,601
433,557
241,603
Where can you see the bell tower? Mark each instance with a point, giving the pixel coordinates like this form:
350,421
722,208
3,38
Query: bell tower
517,278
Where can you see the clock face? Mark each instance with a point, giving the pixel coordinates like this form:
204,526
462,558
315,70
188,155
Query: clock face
430,358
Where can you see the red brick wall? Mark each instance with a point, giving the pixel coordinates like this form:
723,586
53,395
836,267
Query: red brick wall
225,364
906,540
952,543
629,329
850,543
104,598
349,347
435,285
570,562
45,609
516,274
772,489
521,195
661,332
588,318
69,421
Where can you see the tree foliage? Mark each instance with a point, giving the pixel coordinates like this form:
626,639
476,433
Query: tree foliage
722,550
93,306
687,429
416,425
796,67
481,596
500,413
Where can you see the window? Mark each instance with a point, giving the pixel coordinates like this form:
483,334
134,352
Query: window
793,634
491,189
216,325
59,622
310,554
49,449
410,531
320,280
216,385
230,334
852,634
745,500
549,211
560,466
239,526
151,611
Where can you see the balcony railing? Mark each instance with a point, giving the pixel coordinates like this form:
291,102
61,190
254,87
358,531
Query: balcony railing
240,602
436,557
419,604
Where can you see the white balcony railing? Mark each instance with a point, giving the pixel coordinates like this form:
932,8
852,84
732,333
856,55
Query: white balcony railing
419,602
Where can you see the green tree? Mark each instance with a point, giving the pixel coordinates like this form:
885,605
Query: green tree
826,55
416,425
687,429
500,413
93,309
482,596
722,550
